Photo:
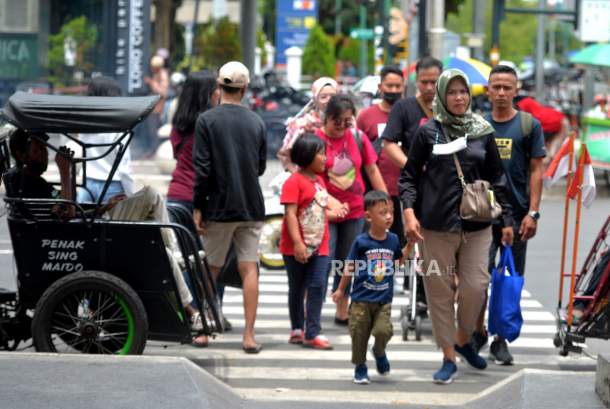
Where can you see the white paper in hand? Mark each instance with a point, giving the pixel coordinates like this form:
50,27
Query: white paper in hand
451,147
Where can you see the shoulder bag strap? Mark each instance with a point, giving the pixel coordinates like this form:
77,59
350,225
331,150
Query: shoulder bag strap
459,170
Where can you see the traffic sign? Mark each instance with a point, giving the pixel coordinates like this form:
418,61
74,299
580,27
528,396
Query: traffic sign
362,33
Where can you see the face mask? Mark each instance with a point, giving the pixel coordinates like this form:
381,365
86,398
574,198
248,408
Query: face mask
391,97
366,101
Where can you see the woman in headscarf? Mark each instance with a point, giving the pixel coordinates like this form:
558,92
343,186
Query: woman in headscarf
309,119
431,193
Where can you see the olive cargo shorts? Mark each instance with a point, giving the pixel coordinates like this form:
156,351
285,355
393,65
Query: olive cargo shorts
366,319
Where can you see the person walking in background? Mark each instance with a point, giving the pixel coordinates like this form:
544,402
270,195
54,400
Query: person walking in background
229,155
410,113
372,121
520,141
309,120
200,93
406,116
304,240
372,260
451,245
98,170
346,159
158,83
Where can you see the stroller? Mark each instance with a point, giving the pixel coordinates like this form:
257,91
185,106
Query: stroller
587,314
411,315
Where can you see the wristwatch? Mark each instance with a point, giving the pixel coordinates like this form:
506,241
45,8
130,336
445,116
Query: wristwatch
534,215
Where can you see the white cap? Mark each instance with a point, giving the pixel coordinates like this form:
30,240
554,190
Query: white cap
234,74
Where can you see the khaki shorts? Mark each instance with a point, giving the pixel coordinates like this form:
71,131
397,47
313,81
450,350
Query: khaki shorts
244,235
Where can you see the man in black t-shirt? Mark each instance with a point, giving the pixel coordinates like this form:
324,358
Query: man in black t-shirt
410,113
229,155
406,116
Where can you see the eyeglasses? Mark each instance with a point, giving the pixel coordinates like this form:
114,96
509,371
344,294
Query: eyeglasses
346,123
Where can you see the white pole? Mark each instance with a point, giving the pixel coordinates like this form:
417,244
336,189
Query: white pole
294,59
437,28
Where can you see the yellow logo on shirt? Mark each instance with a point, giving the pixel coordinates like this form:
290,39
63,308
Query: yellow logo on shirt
505,147
379,271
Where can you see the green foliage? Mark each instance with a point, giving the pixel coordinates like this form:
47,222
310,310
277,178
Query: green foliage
517,31
261,39
319,54
350,51
218,43
85,37
268,10
178,46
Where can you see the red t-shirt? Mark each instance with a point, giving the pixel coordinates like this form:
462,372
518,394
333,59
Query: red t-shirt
372,121
344,164
302,191
183,176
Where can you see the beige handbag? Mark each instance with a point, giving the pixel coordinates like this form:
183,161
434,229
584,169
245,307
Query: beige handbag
478,200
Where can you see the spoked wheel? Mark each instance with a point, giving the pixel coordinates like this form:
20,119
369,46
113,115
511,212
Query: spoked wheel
270,255
90,312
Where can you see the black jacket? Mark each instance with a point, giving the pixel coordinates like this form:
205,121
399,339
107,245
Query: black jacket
429,183
229,154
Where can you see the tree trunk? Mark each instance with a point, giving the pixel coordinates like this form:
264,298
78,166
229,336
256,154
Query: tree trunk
163,23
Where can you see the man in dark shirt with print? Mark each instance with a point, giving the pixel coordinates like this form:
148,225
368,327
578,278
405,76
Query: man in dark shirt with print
520,142
406,116
229,155
410,113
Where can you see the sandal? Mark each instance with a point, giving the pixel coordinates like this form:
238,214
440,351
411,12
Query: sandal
197,343
252,350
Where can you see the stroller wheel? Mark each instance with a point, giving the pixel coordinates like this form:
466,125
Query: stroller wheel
404,324
418,328
557,341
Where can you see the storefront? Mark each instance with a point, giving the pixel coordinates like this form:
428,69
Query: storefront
59,44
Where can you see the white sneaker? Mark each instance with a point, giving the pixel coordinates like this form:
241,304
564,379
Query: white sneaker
196,323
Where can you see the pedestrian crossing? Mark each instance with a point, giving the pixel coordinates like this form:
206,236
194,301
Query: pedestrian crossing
288,372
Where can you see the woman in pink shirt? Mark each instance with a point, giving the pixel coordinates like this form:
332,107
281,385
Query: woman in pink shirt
348,153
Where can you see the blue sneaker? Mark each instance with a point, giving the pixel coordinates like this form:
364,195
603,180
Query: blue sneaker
471,356
445,375
361,375
383,365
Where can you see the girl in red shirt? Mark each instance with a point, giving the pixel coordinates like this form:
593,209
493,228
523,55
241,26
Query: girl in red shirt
304,239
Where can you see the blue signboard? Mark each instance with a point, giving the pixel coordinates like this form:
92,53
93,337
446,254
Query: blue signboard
294,20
